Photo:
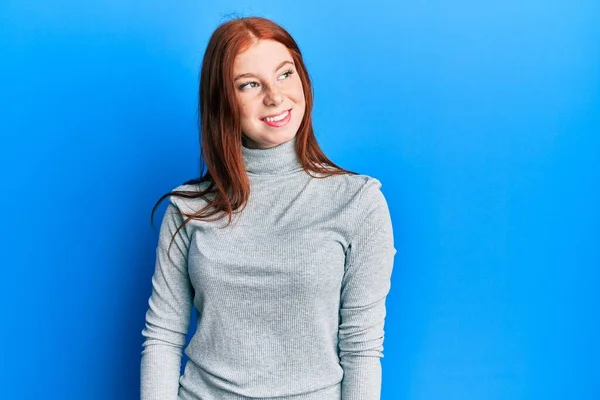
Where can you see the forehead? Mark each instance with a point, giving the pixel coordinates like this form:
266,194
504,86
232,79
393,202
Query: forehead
264,55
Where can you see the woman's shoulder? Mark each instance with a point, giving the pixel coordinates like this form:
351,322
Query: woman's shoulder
365,182
194,187
186,197
354,186
368,203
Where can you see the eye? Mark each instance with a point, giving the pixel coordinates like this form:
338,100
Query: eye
243,85
287,73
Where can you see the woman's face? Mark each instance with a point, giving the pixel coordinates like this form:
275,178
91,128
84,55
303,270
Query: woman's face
269,93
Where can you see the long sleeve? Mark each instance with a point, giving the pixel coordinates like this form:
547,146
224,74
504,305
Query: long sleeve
365,285
168,315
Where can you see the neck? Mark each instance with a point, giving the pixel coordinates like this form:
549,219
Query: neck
275,160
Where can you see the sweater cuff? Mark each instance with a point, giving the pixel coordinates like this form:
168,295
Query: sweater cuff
160,372
362,378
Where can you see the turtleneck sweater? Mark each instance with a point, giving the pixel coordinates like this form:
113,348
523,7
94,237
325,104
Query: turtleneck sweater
289,298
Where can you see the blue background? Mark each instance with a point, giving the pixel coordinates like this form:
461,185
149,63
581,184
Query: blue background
481,119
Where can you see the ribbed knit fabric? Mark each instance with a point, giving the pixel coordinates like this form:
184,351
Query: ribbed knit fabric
290,298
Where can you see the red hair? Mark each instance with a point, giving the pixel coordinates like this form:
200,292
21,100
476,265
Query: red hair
219,119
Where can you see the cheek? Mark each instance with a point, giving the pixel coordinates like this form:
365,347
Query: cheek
249,113
246,110
298,92
299,97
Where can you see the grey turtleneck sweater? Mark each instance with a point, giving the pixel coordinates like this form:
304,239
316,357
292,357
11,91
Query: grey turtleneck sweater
290,298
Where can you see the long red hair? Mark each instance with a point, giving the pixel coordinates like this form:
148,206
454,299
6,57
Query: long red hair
220,130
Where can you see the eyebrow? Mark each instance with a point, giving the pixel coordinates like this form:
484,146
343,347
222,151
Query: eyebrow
248,75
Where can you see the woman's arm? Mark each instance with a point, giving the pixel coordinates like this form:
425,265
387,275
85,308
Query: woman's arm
366,283
168,315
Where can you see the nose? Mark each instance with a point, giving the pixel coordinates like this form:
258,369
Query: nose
273,96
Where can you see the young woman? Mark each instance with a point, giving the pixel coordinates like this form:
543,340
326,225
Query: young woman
285,258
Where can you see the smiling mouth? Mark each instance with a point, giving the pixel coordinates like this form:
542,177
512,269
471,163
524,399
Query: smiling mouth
279,120
276,117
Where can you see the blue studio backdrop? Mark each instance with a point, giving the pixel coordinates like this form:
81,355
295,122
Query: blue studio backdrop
481,119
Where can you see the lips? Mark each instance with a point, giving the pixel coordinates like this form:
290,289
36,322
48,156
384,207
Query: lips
274,115
282,122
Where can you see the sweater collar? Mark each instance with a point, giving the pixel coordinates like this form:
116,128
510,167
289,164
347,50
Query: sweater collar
275,160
